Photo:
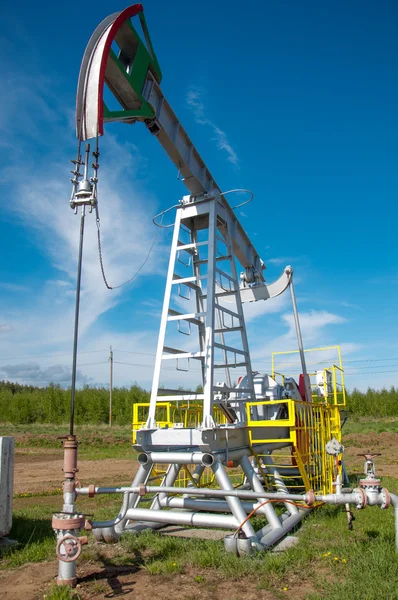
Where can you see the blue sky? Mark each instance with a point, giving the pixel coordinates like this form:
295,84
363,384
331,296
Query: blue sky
296,101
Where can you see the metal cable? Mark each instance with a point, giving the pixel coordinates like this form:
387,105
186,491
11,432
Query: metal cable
115,287
239,190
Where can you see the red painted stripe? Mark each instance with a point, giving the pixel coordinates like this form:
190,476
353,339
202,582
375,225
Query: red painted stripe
127,13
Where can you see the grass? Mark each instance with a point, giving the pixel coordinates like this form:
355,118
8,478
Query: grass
364,425
329,562
96,442
61,593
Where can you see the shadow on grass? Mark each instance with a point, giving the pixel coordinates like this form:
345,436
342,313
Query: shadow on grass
111,572
372,534
26,530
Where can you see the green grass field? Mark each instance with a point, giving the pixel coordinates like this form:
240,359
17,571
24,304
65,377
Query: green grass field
329,562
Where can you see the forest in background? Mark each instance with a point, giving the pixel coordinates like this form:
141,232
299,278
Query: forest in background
21,404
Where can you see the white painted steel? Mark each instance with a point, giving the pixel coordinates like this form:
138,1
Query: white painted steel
235,504
163,324
256,485
208,370
266,291
181,458
195,519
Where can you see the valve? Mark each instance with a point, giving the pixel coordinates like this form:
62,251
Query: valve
69,547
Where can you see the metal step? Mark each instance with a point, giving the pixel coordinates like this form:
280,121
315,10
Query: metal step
222,294
232,365
187,280
173,353
191,317
230,349
227,311
226,275
190,248
218,258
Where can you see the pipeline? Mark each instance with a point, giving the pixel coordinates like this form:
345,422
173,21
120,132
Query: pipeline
359,497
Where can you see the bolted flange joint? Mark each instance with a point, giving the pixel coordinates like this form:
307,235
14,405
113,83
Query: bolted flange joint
362,498
310,498
67,522
386,498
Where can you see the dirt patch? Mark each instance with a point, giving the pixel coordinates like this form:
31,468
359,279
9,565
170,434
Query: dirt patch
27,582
100,580
384,443
37,470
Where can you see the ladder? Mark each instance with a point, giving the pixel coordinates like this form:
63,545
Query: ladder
210,296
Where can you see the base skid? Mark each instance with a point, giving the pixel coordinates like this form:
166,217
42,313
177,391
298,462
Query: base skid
207,484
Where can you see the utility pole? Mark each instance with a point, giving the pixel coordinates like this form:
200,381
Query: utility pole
110,384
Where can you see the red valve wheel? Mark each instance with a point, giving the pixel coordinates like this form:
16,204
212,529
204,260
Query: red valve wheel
68,548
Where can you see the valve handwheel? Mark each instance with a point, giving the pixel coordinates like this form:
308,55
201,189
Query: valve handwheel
68,548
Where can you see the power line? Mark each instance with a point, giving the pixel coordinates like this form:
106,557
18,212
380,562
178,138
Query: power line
372,372
117,362
371,367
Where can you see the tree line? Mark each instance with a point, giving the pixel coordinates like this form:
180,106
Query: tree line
22,404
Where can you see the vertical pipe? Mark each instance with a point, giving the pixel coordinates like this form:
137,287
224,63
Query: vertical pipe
308,392
394,502
76,331
169,479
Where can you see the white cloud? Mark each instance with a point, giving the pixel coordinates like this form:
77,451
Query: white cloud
195,101
349,305
311,323
253,310
127,234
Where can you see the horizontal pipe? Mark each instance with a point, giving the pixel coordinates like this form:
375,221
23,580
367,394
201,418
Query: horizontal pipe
192,491
204,458
181,458
352,498
182,518
186,518
210,505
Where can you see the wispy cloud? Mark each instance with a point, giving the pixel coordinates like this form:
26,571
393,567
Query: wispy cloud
42,207
312,324
350,305
38,319
195,101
